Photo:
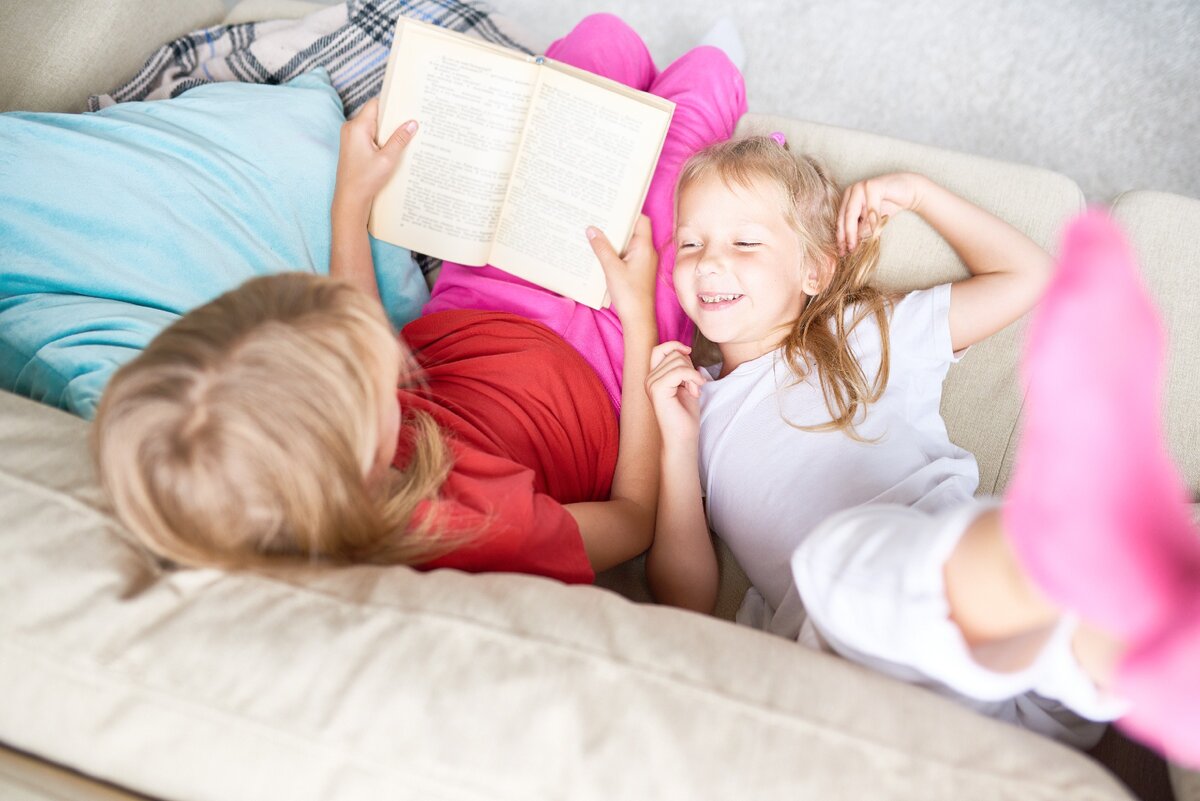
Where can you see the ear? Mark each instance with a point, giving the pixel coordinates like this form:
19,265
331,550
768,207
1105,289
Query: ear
817,274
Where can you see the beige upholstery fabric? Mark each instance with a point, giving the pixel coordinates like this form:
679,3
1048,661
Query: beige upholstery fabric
23,778
1164,230
259,10
982,395
373,683
54,53
1186,784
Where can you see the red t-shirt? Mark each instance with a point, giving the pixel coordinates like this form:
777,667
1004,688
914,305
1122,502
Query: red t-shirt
530,428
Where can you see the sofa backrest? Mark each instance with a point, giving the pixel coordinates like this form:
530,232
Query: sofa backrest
1164,230
53,55
982,396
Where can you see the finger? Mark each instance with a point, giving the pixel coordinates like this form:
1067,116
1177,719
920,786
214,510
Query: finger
661,352
643,233
841,222
669,362
664,383
400,138
603,249
368,110
669,379
870,214
853,212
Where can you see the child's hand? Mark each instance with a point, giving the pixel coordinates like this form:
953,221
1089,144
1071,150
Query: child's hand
867,205
630,278
674,389
364,167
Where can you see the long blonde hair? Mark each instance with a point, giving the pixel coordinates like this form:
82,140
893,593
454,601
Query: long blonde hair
238,437
818,340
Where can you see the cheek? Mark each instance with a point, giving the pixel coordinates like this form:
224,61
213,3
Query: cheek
681,275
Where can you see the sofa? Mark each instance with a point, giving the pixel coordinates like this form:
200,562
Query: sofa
122,678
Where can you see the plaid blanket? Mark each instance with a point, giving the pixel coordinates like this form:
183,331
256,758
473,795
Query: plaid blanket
351,41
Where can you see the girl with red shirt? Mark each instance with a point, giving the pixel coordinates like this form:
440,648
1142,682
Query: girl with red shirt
285,422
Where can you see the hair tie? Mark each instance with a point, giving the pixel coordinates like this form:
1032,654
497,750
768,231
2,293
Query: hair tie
779,138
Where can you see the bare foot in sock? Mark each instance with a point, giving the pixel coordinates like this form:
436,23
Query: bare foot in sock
1096,511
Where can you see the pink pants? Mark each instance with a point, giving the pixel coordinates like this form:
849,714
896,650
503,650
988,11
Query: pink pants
709,99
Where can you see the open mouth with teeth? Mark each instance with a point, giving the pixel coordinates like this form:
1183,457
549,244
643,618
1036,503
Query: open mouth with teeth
718,301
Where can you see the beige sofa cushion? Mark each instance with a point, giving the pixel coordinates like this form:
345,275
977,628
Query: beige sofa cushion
982,394
385,682
23,778
1186,784
260,10
1164,230
53,53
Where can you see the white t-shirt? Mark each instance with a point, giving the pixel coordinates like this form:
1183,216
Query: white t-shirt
768,484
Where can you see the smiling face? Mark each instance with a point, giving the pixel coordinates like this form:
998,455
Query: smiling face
740,270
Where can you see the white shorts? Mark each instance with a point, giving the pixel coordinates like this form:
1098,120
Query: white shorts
869,586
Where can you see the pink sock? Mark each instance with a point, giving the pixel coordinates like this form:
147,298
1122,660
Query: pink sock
1096,510
1160,678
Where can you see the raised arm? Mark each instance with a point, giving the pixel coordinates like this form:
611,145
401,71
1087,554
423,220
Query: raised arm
1009,271
363,169
681,566
621,528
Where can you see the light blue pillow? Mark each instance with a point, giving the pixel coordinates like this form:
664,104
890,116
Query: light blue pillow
113,224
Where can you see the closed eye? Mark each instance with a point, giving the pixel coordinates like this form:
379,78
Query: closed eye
686,245
747,244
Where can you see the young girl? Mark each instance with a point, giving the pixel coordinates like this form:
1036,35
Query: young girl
1081,591
267,425
827,399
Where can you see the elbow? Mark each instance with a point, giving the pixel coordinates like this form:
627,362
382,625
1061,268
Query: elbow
680,588
685,598
640,516
1042,272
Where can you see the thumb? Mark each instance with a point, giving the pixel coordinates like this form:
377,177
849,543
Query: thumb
400,138
643,233
602,248
368,111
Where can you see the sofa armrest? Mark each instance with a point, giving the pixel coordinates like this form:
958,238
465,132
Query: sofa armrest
54,54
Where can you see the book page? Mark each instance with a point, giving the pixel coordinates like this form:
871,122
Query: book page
471,100
586,158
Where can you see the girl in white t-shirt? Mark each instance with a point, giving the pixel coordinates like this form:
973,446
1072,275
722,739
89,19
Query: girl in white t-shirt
824,409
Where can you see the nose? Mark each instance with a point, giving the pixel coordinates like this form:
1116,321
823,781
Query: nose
710,263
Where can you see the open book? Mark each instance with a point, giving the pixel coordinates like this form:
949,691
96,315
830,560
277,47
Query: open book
515,157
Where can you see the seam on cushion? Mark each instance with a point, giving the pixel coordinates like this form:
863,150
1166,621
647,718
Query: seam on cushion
36,790
650,672
87,678
608,658
33,487
1009,446
313,742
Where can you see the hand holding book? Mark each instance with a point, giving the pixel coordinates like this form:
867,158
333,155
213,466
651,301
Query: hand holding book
516,157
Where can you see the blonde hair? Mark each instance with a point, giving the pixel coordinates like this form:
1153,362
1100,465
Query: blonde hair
818,340
238,437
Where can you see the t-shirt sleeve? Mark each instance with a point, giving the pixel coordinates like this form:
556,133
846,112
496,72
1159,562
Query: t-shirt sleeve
920,328
509,526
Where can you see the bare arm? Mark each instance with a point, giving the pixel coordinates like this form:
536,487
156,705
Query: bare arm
1009,271
681,566
621,528
363,168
